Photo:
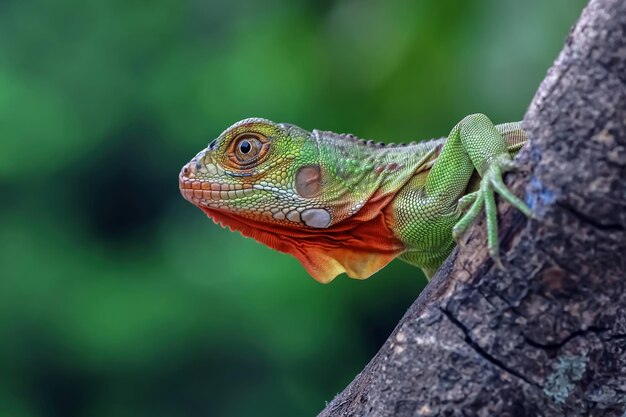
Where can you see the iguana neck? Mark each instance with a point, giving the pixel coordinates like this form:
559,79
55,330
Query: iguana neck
356,170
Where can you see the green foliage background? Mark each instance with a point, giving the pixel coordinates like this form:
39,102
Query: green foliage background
118,298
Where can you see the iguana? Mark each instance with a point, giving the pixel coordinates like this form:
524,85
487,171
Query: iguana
342,204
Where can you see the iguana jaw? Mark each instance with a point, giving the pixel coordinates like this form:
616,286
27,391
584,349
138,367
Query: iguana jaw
356,246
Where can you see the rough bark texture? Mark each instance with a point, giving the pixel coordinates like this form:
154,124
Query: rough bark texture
547,335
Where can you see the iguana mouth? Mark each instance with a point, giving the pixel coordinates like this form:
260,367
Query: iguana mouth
197,190
195,195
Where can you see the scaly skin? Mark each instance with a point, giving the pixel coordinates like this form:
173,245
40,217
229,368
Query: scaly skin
341,204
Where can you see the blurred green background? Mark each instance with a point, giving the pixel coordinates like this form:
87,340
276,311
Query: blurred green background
117,297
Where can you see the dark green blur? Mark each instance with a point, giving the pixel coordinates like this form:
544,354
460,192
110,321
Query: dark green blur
117,297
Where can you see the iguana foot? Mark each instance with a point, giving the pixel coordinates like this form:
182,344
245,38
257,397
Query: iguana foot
484,196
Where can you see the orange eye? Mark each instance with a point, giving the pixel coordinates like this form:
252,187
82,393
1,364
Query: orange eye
247,148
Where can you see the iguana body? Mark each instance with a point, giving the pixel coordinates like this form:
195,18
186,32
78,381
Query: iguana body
341,204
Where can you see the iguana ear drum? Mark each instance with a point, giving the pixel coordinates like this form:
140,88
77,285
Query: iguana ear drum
308,181
316,217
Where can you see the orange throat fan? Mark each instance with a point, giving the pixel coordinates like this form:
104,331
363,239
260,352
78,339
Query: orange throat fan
359,245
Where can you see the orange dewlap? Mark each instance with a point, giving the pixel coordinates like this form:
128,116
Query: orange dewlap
359,246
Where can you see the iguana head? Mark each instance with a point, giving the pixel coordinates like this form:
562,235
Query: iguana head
297,192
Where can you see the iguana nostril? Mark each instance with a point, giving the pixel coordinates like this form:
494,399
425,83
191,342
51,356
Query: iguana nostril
189,169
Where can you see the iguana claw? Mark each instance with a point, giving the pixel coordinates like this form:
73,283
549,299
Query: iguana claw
485,197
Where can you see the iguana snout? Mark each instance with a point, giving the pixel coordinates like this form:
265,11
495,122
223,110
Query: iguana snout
203,183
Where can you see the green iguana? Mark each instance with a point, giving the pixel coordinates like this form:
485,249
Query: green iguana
341,204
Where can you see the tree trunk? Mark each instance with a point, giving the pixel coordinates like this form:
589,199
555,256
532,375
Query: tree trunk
546,336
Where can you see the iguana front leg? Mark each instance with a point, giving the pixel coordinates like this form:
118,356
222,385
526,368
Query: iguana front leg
487,149
474,145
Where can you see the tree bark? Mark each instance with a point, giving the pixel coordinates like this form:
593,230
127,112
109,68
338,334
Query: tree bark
545,336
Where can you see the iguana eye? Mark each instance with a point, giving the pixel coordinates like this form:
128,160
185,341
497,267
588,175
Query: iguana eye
244,146
247,148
